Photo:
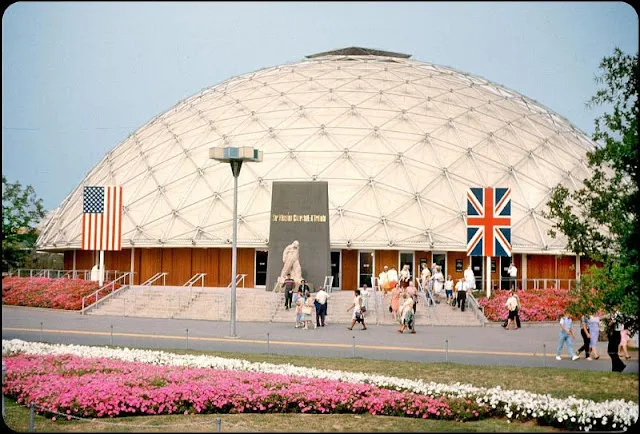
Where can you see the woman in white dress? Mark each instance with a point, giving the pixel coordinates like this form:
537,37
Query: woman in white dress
438,282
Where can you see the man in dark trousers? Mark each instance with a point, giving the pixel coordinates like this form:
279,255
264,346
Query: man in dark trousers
289,285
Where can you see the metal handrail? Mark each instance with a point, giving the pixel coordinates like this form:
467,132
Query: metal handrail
479,310
111,285
239,278
155,277
428,297
195,278
43,272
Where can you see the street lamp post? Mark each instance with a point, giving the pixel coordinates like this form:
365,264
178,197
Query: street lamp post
235,156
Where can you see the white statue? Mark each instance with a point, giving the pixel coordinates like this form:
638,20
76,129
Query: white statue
291,259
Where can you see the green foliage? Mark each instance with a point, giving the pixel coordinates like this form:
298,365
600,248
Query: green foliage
601,219
21,212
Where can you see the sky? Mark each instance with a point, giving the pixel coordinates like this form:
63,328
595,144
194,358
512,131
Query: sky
79,77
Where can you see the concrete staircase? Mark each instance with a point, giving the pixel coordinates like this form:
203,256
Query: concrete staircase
258,305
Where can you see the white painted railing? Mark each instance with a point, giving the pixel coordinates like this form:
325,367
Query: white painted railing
122,280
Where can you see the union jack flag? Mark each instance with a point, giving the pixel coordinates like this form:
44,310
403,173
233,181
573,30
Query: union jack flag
489,221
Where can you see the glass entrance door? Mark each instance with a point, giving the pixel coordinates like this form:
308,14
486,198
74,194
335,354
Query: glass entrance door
261,267
335,269
407,258
504,274
441,260
477,265
365,265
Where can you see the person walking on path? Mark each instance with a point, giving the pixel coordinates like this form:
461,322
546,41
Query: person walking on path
357,311
299,301
412,292
470,277
566,336
622,348
584,332
289,285
593,325
512,307
407,318
321,306
448,290
613,333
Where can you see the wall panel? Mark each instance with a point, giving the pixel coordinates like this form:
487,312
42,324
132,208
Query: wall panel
451,264
385,257
224,267
246,259
150,264
421,254
349,269
181,266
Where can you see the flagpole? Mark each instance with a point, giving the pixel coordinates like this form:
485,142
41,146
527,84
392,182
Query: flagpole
488,274
101,269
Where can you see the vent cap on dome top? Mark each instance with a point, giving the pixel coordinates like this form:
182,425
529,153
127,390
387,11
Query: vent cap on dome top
359,51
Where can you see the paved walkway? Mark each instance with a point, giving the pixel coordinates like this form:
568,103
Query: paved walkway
531,346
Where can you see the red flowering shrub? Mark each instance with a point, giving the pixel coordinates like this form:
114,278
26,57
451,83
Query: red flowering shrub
51,293
546,304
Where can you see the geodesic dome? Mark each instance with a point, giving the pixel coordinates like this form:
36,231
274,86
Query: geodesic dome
399,142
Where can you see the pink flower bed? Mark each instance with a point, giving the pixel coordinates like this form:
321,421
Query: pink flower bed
546,304
107,388
42,292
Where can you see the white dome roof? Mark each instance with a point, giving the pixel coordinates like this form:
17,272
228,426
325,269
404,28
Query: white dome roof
399,142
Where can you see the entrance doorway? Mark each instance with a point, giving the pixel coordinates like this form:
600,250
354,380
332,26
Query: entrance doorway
505,281
335,269
365,267
407,258
441,260
261,267
477,265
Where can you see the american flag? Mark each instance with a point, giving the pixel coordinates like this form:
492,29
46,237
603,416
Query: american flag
489,221
102,218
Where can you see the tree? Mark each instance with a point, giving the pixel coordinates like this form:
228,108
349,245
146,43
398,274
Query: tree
21,212
600,220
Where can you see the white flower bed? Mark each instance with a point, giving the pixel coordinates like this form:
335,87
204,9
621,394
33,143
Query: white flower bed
587,414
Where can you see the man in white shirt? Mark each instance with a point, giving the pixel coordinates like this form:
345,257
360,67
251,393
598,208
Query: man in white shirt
461,288
321,306
393,277
513,275
383,279
470,278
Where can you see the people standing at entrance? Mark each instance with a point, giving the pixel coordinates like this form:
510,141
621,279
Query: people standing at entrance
448,290
513,275
586,338
393,277
395,302
321,306
383,280
462,287
289,286
404,276
425,277
566,336
364,293
357,311
438,283
470,277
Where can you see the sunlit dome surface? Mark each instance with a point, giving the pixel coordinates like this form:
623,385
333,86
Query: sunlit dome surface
399,142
